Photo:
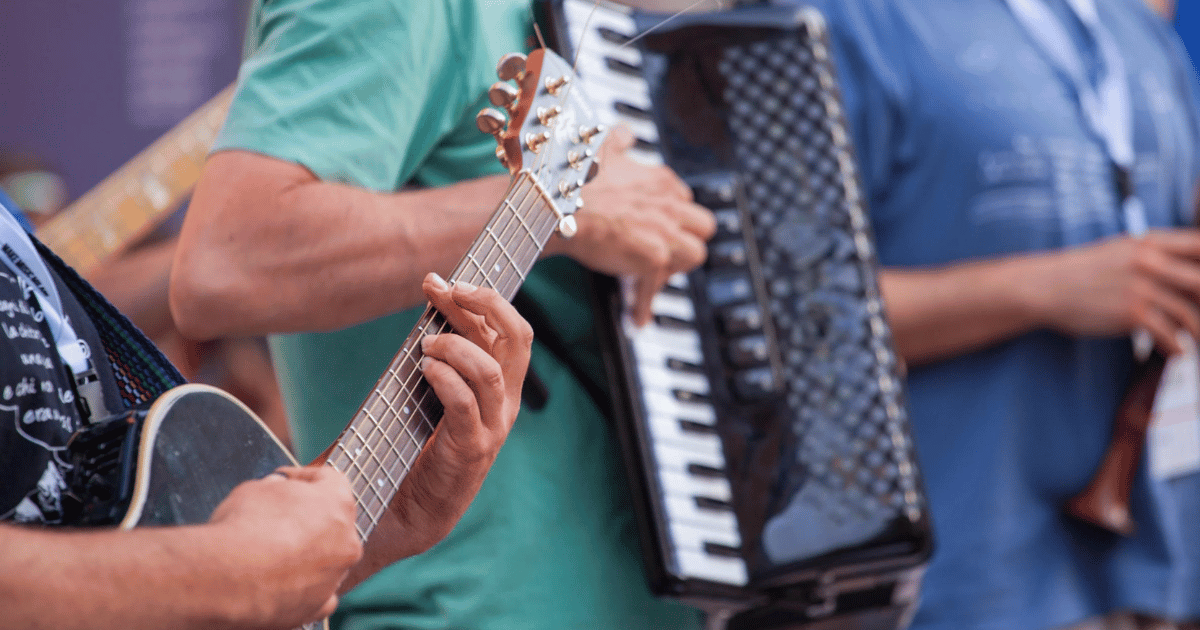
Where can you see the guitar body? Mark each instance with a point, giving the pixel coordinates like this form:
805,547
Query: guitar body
181,458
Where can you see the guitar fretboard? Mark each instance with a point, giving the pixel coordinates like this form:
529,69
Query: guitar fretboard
131,201
383,441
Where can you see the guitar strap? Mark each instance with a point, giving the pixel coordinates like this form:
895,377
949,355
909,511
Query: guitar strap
141,370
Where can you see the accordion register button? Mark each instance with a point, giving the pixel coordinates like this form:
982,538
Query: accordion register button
755,383
716,190
728,288
729,222
748,351
727,254
741,319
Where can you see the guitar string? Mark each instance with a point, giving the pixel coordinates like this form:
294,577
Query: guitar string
512,218
480,271
424,423
374,514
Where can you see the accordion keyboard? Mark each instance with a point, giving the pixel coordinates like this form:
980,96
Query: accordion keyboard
761,412
680,418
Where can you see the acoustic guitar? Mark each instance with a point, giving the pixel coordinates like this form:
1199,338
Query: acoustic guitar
173,463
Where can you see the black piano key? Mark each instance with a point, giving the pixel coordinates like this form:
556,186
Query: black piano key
674,323
700,470
632,111
726,551
645,145
623,67
690,426
679,365
717,505
686,396
615,37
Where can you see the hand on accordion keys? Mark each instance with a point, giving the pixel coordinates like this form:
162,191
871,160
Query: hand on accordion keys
637,221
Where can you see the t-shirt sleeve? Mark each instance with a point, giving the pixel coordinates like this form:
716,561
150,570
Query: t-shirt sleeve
354,91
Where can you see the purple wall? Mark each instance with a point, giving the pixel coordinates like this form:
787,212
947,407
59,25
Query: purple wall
86,84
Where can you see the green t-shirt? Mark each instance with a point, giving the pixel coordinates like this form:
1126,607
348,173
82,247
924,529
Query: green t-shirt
380,94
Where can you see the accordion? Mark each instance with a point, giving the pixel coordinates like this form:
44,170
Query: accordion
761,414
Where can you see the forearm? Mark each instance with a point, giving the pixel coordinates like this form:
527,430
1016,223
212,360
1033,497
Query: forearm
268,248
150,578
945,312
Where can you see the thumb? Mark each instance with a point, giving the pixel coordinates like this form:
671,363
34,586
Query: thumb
620,139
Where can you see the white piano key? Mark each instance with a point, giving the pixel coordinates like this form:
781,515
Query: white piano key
645,158
666,405
684,510
696,450
679,281
668,458
713,568
683,484
661,378
654,341
668,427
673,305
692,538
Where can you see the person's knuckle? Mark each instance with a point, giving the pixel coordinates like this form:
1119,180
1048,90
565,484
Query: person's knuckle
490,375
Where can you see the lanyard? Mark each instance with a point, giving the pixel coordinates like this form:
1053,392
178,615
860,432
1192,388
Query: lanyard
1106,108
19,255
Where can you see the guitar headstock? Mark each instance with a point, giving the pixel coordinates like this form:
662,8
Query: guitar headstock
544,125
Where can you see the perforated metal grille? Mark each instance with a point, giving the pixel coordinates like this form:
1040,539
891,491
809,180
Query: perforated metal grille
854,460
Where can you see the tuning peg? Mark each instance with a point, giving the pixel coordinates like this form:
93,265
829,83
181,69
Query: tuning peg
566,189
502,155
535,140
587,133
575,158
547,114
490,121
511,66
553,85
503,94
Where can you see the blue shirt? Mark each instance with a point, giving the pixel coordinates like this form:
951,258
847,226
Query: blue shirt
972,146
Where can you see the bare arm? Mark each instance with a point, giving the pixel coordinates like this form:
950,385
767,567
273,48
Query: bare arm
1106,289
271,557
267,247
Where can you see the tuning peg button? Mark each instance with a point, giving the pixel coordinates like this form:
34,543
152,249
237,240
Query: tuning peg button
553,85
567,227
490,121
511,66
535,140
503,94
587,133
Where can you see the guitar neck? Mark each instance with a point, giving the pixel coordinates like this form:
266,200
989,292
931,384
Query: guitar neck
133,200
382,442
